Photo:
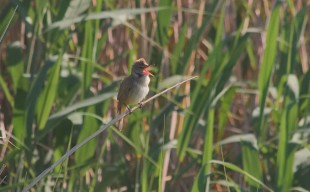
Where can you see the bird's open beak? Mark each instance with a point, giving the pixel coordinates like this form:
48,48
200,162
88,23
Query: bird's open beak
146,72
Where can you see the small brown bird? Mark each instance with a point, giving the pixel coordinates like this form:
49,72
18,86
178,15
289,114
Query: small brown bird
134,88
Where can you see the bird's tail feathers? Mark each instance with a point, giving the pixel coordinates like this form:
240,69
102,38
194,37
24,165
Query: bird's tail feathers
121,109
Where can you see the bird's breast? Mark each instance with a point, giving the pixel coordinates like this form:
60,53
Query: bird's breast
138,91
144,80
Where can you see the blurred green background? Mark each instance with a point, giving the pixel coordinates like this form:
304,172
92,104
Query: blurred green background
242,125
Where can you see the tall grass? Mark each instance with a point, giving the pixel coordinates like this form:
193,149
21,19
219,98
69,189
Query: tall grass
241,126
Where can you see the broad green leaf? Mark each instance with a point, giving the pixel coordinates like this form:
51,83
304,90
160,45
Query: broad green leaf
75,8
7,19
57,117
292,83
251,163
47,98
6,91
87,151
268,61
237,169
76,118
32,99
224,111
286,149
87,52
201,94
163,21
19,112
299,189
200,180
85,103
14,62
175,59
40,9
238,138
208,144
168,82
102,15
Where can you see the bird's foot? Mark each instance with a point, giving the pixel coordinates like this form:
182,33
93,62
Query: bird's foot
129,109
141,104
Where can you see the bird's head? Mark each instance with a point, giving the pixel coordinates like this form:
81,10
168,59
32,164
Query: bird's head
140,68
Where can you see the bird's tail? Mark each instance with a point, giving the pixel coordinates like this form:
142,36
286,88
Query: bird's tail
121,108
121,124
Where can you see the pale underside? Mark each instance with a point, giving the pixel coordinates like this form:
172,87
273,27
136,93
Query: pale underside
132,91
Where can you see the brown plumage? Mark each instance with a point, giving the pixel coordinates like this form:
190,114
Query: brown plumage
134,88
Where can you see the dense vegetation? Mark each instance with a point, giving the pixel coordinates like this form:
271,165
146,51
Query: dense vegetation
242,125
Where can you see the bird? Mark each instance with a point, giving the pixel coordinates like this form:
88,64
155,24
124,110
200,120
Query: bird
134,88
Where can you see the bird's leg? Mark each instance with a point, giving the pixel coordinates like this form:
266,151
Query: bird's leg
141,104
129,109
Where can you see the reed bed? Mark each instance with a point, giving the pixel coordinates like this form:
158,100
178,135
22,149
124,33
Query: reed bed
241,125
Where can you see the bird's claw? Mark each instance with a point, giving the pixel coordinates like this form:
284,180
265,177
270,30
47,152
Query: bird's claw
141,104
129,109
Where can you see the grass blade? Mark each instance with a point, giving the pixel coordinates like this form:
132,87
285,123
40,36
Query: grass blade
267,64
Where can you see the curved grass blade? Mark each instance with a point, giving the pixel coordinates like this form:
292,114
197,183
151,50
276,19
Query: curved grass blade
103,15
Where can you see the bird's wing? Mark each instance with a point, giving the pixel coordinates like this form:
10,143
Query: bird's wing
122,96
124,88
